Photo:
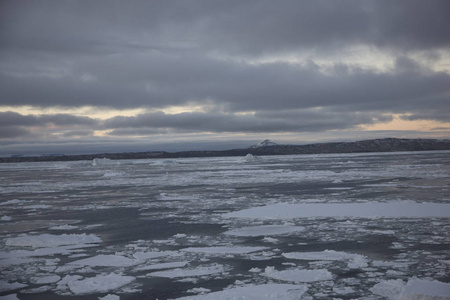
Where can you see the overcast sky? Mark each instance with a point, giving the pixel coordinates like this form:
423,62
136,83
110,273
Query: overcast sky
81,76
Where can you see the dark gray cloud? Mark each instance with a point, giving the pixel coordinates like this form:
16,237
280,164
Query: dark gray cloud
281,121
154,54
12,132
10,118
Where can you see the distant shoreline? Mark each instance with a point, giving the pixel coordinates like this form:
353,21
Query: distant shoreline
375,145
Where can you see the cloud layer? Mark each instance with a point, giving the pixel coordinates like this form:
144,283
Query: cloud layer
252,66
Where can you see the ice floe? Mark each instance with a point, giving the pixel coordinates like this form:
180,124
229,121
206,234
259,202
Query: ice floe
255,292
50,240
359,210
199,271
96,284
298,275
7,286
106,261
414,289
264,230
224,249
162,266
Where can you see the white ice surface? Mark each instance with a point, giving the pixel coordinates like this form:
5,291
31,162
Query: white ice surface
9,297
99,284
64,227
50,240
414,289
109,297
106,261
389,209
264,230
199,271
161,266
224,249
149,255
322,255
298,275
255,292
6,286
46,279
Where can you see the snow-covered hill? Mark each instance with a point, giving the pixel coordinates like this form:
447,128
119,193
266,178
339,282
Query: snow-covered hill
265,143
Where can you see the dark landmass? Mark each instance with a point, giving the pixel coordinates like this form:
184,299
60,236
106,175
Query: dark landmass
377,145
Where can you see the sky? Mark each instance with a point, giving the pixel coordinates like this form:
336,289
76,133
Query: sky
111,76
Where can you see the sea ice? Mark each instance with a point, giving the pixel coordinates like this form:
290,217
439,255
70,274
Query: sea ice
46,279
298,275
9,297
323,255
264,230
200,271
161,266
149,255
255,292
106,261
64,227
99,284
50,240
109,297
6,286
414,289
362,210
224,249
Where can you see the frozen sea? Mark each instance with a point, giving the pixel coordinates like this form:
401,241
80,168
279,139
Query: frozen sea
344,226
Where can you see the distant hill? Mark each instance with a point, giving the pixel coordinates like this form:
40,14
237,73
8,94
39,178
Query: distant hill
265,148
265,143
